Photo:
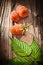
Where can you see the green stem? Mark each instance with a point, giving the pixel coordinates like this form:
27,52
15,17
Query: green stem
28,25
25,26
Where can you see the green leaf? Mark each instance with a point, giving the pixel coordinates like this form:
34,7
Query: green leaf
23,49
36,51
21,61
20,47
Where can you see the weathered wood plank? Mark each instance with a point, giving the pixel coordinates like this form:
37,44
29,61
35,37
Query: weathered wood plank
6,8
5,42
1,14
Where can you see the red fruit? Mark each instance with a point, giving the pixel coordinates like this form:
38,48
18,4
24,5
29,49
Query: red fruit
22,11
14,16
19,28
16,29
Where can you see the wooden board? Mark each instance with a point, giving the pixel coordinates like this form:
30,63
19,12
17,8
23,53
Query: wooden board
6,7
5,24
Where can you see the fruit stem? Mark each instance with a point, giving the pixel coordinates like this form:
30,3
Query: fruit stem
26,25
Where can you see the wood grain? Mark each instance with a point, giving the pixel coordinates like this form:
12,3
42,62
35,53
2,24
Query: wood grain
6,7
5,25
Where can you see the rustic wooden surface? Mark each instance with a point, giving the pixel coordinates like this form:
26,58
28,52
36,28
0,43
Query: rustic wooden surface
5,24
6,7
